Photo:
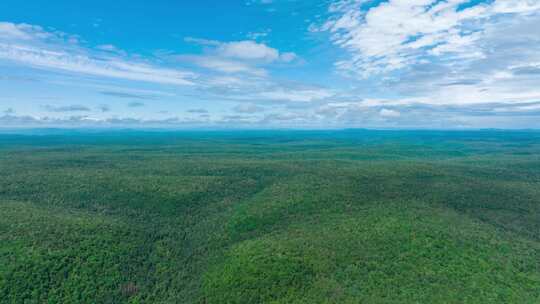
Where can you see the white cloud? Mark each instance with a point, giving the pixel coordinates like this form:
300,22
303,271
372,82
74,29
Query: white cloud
259,34
251,50
288,57
236,57
31,46
245,50
111,48
296,95
397,34
229,81
10,30
227,66
516,6
248,50
426,65
387,113
443,63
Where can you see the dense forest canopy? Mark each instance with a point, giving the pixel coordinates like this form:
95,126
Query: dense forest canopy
348,216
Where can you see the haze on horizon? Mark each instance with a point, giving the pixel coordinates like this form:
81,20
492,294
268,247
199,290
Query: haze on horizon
453,64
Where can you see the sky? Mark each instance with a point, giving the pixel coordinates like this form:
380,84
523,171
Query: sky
264,64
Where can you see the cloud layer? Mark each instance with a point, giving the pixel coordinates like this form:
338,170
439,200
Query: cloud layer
380,64
396,34
33,46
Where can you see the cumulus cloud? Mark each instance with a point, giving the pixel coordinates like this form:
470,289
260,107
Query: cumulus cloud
246,56
248,50
252,50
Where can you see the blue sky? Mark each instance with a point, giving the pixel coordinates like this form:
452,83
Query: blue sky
453,64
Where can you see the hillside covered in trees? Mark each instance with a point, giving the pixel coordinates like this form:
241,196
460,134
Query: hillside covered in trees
270,217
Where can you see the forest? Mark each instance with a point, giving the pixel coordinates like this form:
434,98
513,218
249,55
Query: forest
347,216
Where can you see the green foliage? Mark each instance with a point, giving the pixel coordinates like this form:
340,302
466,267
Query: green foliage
257,272
270,217
396,252
51,255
